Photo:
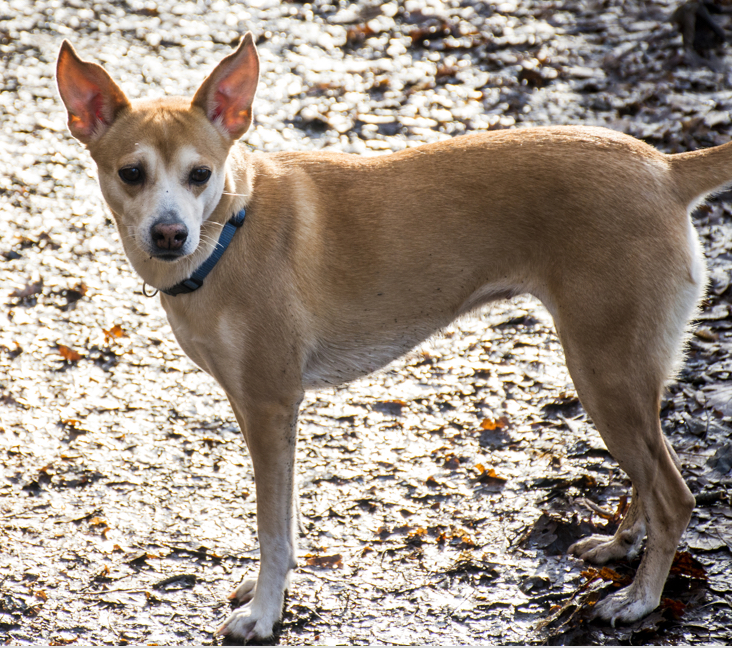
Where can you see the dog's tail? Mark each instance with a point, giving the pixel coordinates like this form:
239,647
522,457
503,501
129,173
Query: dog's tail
698,173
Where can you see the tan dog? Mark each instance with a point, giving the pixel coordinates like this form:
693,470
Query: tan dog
344,263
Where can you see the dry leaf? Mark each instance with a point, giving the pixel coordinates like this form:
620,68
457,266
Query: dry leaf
488,475
115,332
68,353
612,576
334,561
498,424
686,565
676,607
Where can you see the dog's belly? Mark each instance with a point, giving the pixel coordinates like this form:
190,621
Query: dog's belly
333,364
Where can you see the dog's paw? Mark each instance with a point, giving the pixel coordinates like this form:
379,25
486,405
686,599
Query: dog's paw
598,549
626,605
246,623
245,591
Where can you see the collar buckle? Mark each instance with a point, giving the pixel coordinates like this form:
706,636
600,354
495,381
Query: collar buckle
192,284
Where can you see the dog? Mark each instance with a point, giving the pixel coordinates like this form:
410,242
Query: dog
284,272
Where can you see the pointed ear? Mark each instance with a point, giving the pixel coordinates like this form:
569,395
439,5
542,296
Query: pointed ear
227,94
92,98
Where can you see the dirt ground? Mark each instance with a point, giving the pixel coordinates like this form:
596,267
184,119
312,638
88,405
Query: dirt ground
438,497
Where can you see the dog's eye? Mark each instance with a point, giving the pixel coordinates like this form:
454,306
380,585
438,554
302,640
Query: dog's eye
131,175
200,175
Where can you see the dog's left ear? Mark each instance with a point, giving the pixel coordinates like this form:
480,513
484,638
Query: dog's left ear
92,99
227,94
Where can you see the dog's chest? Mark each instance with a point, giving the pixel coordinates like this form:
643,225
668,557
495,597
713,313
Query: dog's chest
211,343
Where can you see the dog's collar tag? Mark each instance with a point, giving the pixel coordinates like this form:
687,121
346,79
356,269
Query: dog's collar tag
195,281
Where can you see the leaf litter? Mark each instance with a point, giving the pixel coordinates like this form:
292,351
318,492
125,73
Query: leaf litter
438,498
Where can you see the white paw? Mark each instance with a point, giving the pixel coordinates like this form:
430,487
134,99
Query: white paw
599,549
625,605
245,591
246,623
582,547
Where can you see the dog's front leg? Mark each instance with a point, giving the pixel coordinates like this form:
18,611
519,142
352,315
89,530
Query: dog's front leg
270,432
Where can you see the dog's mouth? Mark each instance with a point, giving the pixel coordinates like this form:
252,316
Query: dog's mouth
168,257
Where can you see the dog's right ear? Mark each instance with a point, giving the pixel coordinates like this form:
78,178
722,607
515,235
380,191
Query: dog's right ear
92,99
227,94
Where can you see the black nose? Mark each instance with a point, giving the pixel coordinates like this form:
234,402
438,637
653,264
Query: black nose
169,236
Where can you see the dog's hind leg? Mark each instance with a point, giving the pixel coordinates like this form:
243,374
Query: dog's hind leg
627,541
620,349
623,397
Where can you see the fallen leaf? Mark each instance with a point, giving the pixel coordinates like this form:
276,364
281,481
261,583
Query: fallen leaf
488,475
416,536
676,607
719,398
686,565
102,574
68,353
606,574
498,424
115,332
613,577
704,538
460,535
334,561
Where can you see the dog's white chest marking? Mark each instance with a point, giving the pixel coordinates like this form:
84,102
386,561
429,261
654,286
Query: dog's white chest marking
204,344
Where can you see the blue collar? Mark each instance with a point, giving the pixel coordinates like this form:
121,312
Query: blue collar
195,281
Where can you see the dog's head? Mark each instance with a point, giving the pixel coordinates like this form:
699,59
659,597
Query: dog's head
161,163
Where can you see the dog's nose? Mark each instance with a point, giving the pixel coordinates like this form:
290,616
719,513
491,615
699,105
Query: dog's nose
169,236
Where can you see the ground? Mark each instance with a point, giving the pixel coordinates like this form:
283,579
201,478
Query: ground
439,496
